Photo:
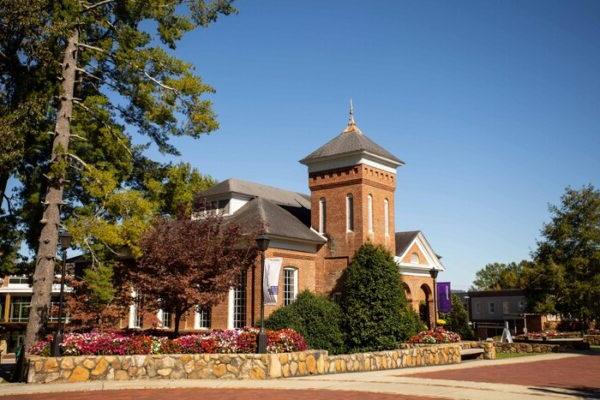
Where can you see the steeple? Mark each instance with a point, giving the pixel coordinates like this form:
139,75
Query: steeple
351,123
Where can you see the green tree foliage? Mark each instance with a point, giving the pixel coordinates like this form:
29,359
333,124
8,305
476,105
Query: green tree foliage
457,320
77,80
316,317
497,276
565,277
375,311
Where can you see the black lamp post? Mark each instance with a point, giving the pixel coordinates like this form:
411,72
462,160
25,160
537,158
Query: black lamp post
65,241
434,273
262,242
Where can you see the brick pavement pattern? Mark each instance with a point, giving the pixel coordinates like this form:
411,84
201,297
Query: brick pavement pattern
214,394
576,373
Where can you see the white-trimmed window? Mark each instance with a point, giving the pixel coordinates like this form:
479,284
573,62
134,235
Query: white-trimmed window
165,319
491,307
386,217
136,316
505,307
202,318
370,212
414,258
290,285
349,213
322,215
19,309
239,303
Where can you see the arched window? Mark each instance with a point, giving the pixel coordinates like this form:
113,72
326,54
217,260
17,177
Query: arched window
322,215
370,212
414,258
386,217
290,285
349,213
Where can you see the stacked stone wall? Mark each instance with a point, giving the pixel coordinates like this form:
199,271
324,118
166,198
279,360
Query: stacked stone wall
593,340
231,366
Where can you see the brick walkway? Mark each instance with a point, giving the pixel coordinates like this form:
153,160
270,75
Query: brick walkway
214,394
575,373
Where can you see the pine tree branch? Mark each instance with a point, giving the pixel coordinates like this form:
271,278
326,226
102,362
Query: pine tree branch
110,129
79,160
96,5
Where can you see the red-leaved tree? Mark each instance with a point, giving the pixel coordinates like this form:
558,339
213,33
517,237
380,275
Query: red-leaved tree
188,263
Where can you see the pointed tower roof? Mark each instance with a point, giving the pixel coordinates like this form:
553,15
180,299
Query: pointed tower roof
351,143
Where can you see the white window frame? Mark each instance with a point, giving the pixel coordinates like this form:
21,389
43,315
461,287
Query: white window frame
290,297
414,258
505,307
134,321
160,314
386,217
349,213
492,307
370,212
198,316
24,308
322,215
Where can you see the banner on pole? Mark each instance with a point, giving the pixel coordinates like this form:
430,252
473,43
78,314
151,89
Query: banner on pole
444,297
271,279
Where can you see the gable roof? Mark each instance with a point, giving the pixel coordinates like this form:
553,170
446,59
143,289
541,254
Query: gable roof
403,240
252,189
350,141
266,216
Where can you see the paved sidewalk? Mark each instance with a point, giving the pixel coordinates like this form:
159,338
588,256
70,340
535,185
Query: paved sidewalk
391,382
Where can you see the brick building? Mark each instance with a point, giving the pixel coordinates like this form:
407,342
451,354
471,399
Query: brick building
352,181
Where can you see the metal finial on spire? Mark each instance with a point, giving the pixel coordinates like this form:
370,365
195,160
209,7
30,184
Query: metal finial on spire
351,117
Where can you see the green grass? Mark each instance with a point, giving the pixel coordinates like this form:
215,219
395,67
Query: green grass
501,356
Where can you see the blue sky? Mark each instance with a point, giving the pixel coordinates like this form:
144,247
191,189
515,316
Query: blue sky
493,105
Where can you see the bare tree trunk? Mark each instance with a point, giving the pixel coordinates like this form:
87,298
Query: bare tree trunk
44,268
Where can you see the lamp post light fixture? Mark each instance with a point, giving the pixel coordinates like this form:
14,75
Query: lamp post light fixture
434,273
262,243
65,242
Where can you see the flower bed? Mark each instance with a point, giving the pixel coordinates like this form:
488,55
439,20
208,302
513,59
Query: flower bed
216,341
437,335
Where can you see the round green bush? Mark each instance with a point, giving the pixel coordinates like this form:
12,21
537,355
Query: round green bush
376,313
313,316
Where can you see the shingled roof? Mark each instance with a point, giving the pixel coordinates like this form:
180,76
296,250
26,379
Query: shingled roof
350,141
266,216
252,189
403,240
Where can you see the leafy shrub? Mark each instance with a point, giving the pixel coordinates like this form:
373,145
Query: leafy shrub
437,335
217,341
313,316
457,320
376,313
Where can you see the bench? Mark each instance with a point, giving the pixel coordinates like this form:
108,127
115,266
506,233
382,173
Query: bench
471,352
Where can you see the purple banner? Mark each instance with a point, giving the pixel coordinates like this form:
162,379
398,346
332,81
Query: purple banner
444,297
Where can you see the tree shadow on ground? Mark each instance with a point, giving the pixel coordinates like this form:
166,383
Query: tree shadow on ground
578,392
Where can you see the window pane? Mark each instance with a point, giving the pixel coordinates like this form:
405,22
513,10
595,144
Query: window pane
239,304
203,317
350,212
370,212
290,285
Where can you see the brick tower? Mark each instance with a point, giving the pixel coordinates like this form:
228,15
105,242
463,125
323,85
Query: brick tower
352,182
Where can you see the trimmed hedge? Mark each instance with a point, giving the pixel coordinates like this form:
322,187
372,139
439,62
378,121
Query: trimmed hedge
315,317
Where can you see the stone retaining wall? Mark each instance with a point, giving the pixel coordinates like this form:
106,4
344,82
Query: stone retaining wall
489,348
593,340
527,347
231,366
